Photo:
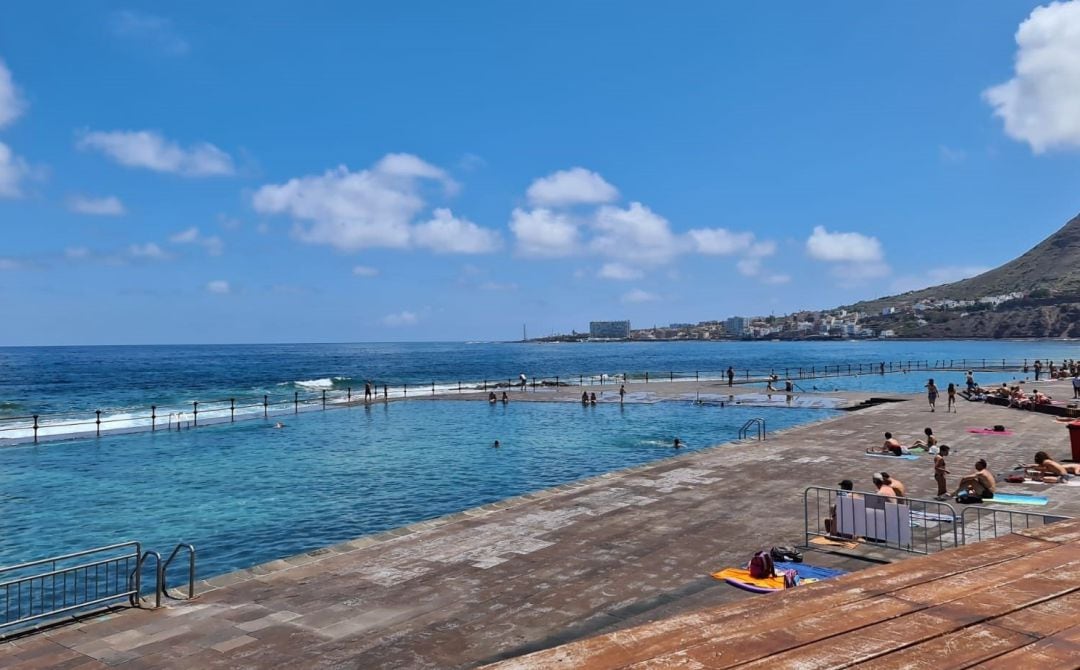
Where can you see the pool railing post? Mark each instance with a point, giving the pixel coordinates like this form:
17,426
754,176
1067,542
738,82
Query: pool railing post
153,418
98,422
266,406
232,410
296,402
348,394
35,428
195,406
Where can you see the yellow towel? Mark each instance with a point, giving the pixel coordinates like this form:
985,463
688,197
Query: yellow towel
738,574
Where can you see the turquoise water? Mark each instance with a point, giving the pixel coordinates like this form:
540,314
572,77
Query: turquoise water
248,493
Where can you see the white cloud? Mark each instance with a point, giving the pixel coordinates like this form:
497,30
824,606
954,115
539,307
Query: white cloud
634,234
777,279
542,232
373,208
619,271
219,286
447,234
749,267
843,247
404,318
11,103
153,31
107,206
149,251
638,295
13,170
212,243
148,149
1040,105
936,277
719,241
365,271
576,186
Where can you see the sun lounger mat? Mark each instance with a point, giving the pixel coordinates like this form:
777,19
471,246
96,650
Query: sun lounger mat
1013,499
904,457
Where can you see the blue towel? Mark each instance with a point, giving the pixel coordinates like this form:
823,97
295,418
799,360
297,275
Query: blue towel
809,571
906,457
1014,499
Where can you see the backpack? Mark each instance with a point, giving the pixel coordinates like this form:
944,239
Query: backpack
786,554
761,566
999,428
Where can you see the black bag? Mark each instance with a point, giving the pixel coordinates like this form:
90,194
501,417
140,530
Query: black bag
999,428
787,554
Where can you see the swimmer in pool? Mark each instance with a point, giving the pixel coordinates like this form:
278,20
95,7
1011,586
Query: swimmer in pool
496,445
678,443
279,425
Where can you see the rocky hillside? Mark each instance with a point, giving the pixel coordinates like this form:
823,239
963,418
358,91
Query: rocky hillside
1048,275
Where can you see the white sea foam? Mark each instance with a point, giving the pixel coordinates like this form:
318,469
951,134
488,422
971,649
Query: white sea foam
324,383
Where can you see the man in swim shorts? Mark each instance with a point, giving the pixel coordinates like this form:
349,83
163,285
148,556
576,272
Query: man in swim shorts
891,446
978,486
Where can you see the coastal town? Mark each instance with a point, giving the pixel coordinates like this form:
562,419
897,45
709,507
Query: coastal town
902,320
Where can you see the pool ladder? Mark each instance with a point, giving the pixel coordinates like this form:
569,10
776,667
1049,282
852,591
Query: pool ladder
759,423
161,568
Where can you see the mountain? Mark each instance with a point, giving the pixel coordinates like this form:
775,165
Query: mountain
1048,275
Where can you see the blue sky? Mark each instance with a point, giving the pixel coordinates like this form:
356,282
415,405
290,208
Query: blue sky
264,172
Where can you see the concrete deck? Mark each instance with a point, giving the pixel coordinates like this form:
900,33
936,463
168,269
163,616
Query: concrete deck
544,569
1007,603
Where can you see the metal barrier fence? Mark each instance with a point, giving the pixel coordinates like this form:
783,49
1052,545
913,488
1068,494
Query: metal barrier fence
985,523
34,427
905,524
78,583
84,579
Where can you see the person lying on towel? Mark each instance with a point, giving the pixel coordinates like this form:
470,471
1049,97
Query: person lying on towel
1046,469
891,446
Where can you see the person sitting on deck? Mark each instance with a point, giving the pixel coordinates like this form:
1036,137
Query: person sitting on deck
930,439
1039,398
897,485
846,486
891,446
1048,470
883,489
976,487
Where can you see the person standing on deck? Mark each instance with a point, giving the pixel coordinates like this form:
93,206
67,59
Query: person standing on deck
931,394
1038,369
730,376
367,391
622,392
1076,384
940,470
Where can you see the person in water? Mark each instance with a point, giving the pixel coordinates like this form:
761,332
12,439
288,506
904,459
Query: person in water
592,398
678,443
622,392
279,425
491,398
505,398
584,397
496,445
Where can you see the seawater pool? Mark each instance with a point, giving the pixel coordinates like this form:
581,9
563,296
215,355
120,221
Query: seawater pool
248,493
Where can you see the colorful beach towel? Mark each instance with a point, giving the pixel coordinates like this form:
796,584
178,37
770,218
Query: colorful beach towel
988,431
904,457
1015,499
741,578
809,573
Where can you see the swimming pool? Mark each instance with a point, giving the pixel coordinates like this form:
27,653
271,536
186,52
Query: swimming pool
247,493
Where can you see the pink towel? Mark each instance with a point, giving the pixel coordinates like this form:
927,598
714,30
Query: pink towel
989,431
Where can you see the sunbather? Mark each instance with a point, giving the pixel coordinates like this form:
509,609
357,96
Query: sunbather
891,446
1048,470
883,489
976,487
930,439
896,485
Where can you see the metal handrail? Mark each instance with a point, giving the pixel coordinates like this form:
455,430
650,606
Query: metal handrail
136,574
191,570
759,421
